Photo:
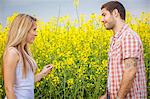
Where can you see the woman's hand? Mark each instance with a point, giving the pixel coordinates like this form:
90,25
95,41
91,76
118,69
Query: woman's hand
46,70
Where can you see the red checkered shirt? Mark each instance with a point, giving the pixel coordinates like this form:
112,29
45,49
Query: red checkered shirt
126,44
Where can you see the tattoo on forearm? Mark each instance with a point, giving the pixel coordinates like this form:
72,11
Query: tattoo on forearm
130,62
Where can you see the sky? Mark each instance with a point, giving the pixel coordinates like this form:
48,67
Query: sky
45,9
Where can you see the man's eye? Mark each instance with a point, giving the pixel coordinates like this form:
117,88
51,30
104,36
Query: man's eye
103,14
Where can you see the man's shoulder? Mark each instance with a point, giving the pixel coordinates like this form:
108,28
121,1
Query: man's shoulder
130,33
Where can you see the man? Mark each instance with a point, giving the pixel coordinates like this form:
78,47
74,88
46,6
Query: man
126,70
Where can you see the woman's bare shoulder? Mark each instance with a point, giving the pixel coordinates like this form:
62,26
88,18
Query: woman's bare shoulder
11,53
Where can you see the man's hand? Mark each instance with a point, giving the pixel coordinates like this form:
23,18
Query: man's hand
103,96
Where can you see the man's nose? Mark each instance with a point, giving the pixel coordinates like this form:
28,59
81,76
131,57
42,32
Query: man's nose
102,20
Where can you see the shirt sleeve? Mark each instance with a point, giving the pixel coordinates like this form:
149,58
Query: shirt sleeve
130,46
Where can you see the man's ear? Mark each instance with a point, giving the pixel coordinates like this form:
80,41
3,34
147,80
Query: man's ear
115,13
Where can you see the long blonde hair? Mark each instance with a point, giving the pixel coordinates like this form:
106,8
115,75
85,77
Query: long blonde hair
17,35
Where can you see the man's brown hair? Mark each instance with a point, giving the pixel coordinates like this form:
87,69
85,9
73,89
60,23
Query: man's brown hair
110,6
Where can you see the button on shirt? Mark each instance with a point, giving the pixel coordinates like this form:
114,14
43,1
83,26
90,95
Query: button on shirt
126,44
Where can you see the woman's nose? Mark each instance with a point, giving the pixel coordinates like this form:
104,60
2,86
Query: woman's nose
35,34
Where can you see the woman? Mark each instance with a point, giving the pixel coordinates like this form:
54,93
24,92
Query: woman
18,65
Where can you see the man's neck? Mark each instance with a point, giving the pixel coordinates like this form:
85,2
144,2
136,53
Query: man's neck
118,26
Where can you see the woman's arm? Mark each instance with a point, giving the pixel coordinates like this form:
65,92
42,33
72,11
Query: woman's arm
45,71
10,60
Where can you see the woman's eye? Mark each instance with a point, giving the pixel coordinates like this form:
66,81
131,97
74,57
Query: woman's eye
34,29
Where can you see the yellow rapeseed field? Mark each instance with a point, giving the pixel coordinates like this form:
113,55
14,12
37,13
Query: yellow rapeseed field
78,50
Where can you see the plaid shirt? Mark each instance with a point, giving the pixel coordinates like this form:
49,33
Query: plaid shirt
126,44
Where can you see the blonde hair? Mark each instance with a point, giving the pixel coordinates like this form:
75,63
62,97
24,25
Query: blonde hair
17,35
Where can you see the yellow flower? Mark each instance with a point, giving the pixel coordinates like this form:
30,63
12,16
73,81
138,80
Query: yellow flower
55,81
70,82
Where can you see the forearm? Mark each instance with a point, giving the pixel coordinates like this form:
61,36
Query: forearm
38,77
126,83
